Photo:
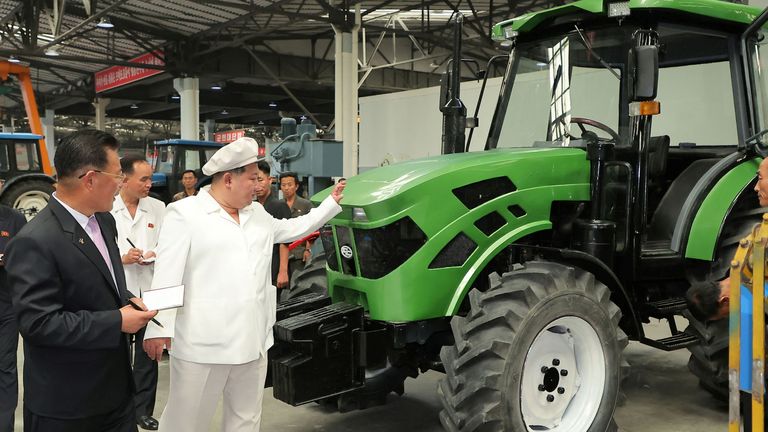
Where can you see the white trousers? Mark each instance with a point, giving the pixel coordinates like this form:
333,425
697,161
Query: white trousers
196,389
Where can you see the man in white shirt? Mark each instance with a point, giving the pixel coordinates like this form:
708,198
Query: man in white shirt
218,244
139,218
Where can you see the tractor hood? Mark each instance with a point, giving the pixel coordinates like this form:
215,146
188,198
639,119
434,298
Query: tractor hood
429,184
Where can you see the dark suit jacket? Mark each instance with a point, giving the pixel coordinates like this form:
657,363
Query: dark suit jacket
11,222
76,359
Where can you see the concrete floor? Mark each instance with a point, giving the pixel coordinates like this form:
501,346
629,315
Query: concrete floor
661,396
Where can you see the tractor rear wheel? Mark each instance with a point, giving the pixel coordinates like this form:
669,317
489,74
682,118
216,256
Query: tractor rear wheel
540,350
709,358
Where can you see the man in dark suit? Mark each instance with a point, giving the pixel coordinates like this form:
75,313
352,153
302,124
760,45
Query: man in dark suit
11,222
69,297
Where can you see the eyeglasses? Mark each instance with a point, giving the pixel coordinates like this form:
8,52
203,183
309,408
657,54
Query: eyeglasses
121,176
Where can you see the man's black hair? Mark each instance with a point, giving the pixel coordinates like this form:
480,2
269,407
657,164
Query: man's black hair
290,174
217,176
703,299
194,174
86,148
264,167
128,162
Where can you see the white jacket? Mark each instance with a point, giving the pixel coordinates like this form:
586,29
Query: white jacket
229,301
143,230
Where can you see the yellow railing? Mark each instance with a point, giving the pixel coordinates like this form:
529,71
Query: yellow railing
744,271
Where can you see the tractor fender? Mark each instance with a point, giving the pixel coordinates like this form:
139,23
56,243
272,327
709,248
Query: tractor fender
488,254
25,177
717,204
629,323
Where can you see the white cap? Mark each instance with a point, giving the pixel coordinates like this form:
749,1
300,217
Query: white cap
238,153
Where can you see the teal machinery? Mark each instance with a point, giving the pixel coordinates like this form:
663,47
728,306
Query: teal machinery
314,160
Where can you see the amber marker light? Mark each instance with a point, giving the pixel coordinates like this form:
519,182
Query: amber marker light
644,108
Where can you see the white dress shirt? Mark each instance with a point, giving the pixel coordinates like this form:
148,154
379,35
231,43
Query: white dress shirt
143,229
229,300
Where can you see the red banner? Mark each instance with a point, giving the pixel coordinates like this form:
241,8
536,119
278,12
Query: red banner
228,136
117,76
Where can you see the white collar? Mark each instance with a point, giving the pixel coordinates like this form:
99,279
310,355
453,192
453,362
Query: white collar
119,205
79,217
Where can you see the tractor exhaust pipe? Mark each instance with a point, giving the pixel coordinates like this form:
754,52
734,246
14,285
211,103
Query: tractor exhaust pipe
454,111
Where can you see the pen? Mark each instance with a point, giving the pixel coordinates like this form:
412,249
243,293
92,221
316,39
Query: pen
137,307
134,246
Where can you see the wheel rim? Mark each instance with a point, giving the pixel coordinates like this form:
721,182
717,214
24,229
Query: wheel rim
31,202
563,377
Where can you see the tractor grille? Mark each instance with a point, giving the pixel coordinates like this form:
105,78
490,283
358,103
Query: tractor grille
375,252
381,250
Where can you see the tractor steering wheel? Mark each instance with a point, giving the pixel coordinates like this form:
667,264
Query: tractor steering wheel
581,121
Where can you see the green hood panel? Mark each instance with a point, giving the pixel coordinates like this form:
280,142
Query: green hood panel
386,193
717,9
423,190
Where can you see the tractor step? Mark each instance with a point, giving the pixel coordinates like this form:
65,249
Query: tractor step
672,343
665,308
657,247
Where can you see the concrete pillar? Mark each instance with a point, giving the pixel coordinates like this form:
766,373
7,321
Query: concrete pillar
100,104
189,90
48,131
210,127
346,104
338,75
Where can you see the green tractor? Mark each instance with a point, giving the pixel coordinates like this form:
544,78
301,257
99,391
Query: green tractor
618,170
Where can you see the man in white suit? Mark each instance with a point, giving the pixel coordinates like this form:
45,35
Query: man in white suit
139,218
219,245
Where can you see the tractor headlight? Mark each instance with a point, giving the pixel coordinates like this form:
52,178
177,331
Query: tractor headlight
358,215
618,9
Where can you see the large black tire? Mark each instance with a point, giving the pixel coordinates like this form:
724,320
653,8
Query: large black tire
486,375
709,359
312,279
28,196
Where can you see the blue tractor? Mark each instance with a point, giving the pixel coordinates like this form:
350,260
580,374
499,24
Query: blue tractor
170,158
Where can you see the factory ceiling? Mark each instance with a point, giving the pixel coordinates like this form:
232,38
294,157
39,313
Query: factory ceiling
256,59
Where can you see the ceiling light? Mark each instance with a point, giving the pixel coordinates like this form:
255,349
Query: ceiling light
51,52
105,23
216,86
175,97
273,105
261,122
13,59
224,112
134,106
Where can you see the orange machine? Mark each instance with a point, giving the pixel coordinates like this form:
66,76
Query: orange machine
30,105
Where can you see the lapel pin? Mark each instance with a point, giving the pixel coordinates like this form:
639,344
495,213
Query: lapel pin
81,240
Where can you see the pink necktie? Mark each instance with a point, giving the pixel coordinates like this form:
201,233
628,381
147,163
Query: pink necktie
94,232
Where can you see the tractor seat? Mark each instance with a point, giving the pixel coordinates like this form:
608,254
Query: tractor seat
662,224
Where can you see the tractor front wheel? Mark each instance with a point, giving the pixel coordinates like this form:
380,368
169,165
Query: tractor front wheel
312,279
540,350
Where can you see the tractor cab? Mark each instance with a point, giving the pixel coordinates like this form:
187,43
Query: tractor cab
170,158
25,176
659,105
